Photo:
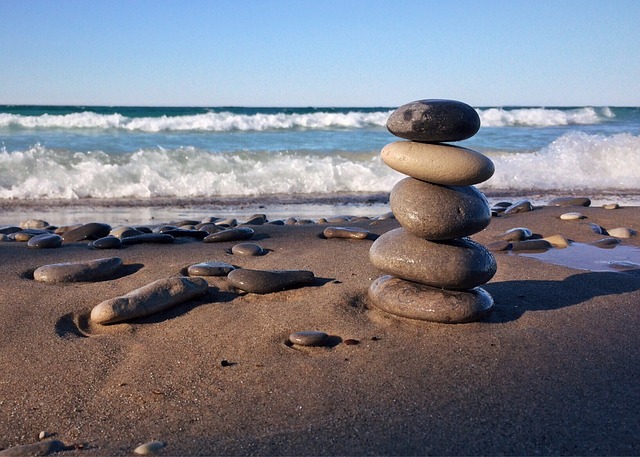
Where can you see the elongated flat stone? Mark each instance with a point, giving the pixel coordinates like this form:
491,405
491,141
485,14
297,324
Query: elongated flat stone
150,299
92,270
154,238
571,216
39,449
182,233
434,120
531,245
268,281
515,234
247,249
523,206
45,241
439,212
438,163
106,242
570,201
90,231
606,243
212,268
352,233
622,232
308,338
418,301
456,264
34,224
149,448
232,234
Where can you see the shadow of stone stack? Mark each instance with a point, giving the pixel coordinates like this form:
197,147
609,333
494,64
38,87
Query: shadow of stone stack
432,270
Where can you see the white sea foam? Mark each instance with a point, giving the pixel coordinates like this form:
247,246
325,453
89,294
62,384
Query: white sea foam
209,122
574,161
541,117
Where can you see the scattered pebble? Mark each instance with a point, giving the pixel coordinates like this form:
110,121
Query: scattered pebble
353,233
45,241
150,448
595,228
571,216
211,268
309,338
232,234
268,281
611,206
92,270
606,243
570,201
34,224
622,232
42,435
153,238
516,234
523,206
498,246
106,242
90,231
40,449
247,249
351,342
531,245
558,241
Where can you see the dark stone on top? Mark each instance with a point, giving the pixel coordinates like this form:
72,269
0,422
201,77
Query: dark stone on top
90,231
570,201
268,281
157,238
595,228
434,121
232,234
44,241
9,229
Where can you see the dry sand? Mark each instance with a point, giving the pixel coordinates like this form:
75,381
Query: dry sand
553,370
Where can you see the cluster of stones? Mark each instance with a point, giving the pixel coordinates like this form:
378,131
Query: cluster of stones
432,268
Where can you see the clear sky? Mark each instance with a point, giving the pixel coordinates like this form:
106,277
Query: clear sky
319,53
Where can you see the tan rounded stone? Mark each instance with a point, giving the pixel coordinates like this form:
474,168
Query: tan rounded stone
439,212
455,264
92,270
418,301
438,163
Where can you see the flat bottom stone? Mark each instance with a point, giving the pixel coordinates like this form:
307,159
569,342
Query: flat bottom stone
418,301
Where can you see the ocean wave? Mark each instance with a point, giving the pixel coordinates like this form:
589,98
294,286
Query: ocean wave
574,161
207,122
542,117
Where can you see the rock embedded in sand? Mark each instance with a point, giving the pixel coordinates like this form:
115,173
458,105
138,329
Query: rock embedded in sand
38,449
92,270
247,249
611,206
149,448
106,242
353,233
232,234
621,232
309,338
211,268
418,301
558,241
606,243
570,201
531,245
268,281
438,163
150,299
438,212
90,231
571,216
453,264
434,120
516,234
45,241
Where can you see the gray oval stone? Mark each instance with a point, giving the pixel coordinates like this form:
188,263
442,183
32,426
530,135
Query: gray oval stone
606,243
438,163
212,268
418,301
39,449
455,264
45,241
150,299
106,242
149,448
308,338
570,201
353,233
34,224
93,270
232,234
152,238
439,212
515,234
247,249
434,120
90,231
523,206
531,245
268,281
498,246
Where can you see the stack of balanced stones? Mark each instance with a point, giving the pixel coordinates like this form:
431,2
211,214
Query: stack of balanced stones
432,269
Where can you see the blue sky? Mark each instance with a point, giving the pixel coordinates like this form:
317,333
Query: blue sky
319,53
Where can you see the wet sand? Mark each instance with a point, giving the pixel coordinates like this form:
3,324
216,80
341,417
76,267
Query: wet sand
553,370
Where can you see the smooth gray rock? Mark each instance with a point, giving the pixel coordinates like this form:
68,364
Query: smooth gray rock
9,229
523,206
150,299
152,238
353,233
149,448
90,231
106,242
184,233
570,201
212,268
437,212
498,246
438,163
34,449
598,230
418,301
531,245
92,270
434,120
622,232
455,264
606,243
247,249
256,219
34,224
125,231
308,338
45,241
268,281
515,234
232,234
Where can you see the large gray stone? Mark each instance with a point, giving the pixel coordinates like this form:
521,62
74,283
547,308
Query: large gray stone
439,212
150,299
232,234
92,270
210,268
455,264
434,120
268,281
90,231
418,301
438,163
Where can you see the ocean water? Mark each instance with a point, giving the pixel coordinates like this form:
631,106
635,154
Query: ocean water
316,158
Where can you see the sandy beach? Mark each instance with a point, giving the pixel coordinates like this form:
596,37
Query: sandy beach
552,370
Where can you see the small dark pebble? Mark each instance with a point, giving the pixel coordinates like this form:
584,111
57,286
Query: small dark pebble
351,342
